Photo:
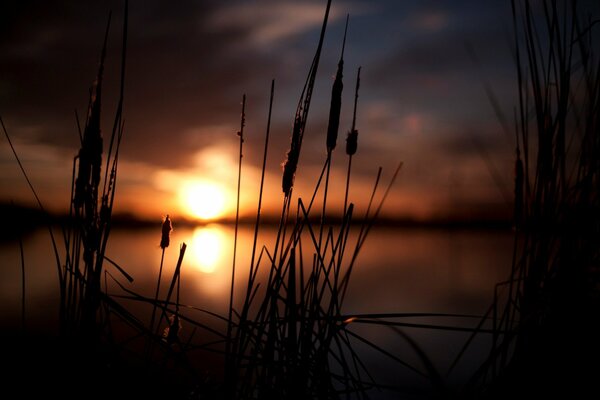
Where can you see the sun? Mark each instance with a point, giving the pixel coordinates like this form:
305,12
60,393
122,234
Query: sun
204,200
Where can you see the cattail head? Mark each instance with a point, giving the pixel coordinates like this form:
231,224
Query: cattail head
291,163
336,99
335,108
90,153
83,176
352,138
166,233
352,142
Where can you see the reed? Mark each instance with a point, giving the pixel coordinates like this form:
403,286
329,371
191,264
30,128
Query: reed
229,361
352,140
164,243
47,221
333,125
545,335
175,281
291,339
91,212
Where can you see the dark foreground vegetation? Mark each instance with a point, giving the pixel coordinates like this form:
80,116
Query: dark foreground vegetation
291,338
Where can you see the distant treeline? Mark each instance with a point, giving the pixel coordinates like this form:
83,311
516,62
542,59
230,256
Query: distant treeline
19,219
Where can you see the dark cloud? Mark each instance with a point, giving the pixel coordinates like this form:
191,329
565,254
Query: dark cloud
433,68
180,75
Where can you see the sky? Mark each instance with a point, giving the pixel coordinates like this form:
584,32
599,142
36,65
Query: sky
422,100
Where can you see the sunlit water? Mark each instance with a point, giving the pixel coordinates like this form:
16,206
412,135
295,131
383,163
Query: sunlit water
398,270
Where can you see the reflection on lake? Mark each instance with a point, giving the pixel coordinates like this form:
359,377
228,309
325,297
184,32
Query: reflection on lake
207,248
398,270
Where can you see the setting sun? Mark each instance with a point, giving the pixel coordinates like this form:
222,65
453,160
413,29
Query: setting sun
204,200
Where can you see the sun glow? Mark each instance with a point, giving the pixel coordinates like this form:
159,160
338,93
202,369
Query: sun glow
204,200
207,248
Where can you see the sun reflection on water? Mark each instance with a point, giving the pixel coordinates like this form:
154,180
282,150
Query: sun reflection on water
207,248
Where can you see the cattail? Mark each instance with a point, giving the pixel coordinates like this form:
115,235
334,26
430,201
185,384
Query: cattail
166,233
335,108
90,154
164,243
291,162
336,100
352,138
352,142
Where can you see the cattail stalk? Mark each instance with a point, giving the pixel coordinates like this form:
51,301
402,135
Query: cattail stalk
291,163
176,275
333,125
85,199
229,360
364,231
352,140
251,273
293,155
268,309
90,154
164,243
336,99
262,178
119,113
240,337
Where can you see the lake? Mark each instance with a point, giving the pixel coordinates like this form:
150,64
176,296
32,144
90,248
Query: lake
397,271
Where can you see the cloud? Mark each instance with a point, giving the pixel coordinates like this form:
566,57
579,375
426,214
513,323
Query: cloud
271,23
189,62
48,167
429,20
217,165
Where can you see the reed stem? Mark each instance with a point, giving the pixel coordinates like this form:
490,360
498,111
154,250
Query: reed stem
162,257
228,355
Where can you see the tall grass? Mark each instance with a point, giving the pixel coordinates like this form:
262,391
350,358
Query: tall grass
90,211
229,361
164,243
545,314
291,338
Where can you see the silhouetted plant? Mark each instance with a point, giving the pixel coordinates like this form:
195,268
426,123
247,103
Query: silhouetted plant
291,339
545,314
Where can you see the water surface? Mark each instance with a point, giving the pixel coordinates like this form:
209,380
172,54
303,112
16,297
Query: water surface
397,271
